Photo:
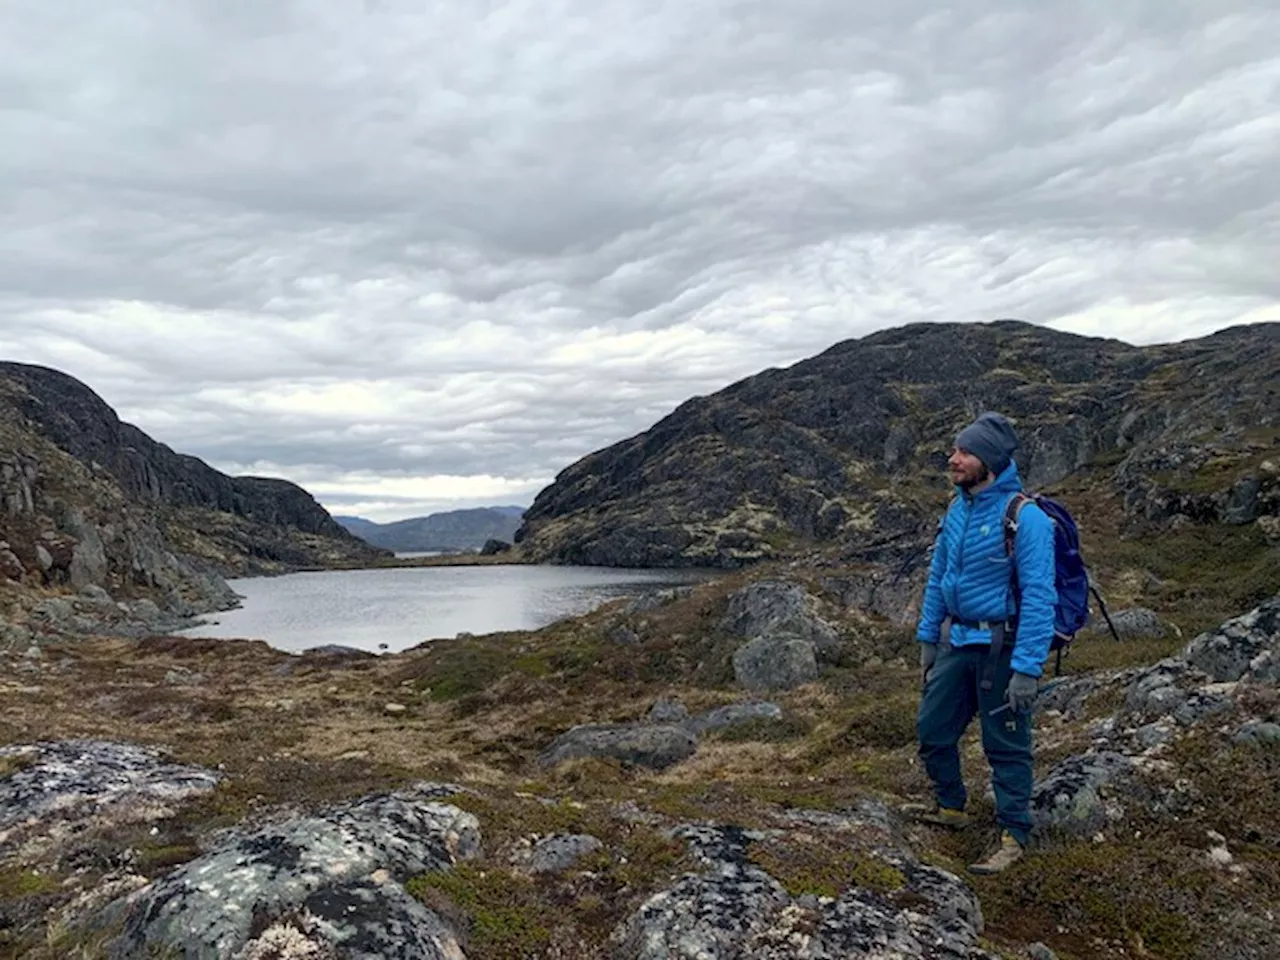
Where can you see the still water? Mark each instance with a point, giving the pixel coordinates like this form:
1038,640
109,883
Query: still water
400,608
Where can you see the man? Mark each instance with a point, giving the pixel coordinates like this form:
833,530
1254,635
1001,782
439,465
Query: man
982,651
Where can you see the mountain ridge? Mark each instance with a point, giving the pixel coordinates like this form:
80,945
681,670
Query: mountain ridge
847,447
445,531
93,503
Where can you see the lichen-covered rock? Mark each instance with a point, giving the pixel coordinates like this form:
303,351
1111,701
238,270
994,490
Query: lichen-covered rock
340,870
1080,795
1136,623
367,919
554,854
1258,732
775,663
734,910
1155,691
770,608
732,715
1068,697
1246,647
668,711
657,746
60,788
710,915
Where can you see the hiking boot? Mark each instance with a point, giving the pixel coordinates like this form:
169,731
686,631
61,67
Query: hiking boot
936,815
1003,854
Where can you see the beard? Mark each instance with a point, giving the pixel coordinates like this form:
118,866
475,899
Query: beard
969,481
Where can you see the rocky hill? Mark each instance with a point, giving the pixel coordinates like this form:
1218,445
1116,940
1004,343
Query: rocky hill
446,532
846,449
91,504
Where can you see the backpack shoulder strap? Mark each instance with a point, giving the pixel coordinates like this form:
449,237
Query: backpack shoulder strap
1011,513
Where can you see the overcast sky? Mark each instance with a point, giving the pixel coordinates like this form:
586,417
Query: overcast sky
416,254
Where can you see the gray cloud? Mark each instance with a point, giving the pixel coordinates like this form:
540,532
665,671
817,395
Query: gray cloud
411,256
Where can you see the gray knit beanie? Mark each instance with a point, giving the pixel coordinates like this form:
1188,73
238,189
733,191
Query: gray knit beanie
991,439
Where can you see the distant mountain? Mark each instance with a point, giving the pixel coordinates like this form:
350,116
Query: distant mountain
448,532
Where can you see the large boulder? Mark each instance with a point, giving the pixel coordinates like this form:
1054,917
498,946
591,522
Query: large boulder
777,662
1246,647
656,746
57,790
332,881
770,608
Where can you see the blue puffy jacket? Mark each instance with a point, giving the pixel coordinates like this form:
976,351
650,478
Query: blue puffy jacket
971,577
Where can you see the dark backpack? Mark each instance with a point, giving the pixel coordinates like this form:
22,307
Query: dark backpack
1071,577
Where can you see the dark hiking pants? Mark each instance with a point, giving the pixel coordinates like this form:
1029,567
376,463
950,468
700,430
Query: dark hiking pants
952,695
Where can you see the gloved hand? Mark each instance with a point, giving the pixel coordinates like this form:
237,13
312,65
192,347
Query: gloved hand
1022,692
928,654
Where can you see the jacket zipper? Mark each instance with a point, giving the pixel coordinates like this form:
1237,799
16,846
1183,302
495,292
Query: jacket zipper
964,535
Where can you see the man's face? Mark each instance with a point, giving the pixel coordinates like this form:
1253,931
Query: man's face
966,470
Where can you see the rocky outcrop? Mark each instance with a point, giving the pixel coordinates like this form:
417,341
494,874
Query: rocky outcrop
87,501
55,791
772,607
734,908
1208,685
75,419
330,881
844,448
787,635
667,734
775,662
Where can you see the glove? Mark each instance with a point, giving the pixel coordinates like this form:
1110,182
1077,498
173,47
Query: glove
928,654
1022,691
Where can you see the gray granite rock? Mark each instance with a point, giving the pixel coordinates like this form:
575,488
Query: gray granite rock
775,663
773,607
1080,795
1136,623
733,910
1258,732
668,711
644,745
1246,647
555,854
61,787
336,876
732,715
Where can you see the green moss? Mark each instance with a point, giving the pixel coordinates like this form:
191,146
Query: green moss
16,884
501,908
883,721
12,763
1205,574
763,730
808,867
154,859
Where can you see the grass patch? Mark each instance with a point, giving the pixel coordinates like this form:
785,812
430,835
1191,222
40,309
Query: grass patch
154,859
15,762
1153,891
17,884
266,783
764,730
501,910
807,866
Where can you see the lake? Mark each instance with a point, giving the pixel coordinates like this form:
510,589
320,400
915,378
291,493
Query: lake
403,607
